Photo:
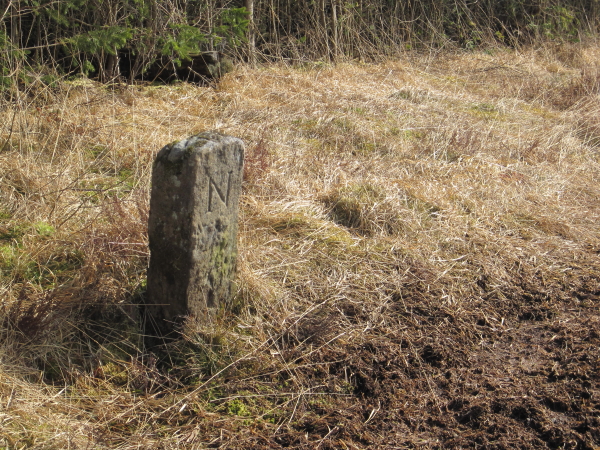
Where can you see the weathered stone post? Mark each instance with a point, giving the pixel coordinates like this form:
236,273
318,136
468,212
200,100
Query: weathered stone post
192,227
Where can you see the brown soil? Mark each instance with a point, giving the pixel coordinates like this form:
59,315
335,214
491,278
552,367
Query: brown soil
438,380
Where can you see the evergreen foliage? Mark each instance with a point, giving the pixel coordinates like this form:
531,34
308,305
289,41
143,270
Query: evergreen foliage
112,38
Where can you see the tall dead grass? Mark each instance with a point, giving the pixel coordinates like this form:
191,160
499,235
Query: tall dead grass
421,203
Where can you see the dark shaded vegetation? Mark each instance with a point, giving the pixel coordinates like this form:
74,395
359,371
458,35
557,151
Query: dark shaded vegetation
133,39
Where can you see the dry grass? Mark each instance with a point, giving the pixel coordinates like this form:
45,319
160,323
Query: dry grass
400,223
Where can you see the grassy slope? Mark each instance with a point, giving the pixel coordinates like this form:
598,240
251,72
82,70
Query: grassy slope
419,260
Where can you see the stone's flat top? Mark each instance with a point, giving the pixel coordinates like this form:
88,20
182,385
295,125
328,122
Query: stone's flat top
175,152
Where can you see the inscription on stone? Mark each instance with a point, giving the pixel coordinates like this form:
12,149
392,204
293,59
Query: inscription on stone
192,227
214,187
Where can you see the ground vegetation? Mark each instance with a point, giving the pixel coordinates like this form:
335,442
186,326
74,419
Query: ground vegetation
419,258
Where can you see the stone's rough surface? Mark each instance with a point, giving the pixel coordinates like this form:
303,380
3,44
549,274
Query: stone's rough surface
192,227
